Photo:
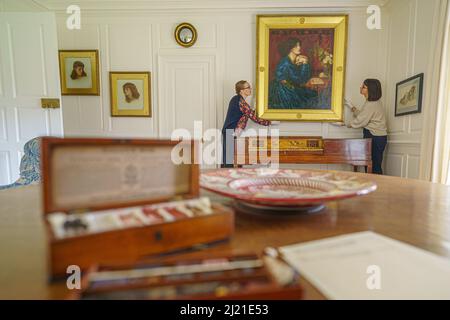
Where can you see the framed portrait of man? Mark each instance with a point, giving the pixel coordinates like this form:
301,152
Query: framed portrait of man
300,69
79,72
130,94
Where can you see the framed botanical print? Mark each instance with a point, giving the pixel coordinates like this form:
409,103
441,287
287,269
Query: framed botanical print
79,72
300,69
130,94
408,96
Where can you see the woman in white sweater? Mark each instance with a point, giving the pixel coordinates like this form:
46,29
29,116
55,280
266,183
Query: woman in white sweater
371,117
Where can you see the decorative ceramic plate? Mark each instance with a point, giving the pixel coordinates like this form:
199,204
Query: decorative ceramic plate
285,187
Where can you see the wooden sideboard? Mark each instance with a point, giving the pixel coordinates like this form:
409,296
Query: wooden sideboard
304,150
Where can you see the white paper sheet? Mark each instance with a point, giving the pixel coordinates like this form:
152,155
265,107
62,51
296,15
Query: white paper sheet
367,265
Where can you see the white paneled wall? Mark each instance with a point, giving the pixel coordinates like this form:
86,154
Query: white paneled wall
187,91
196,83
410,51
122,47
28,72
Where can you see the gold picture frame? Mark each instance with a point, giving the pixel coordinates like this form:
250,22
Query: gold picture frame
79,72
300,67
185,34
130,93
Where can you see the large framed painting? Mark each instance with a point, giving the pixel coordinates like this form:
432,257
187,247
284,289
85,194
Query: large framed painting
130,94
408,96
300,67
79,72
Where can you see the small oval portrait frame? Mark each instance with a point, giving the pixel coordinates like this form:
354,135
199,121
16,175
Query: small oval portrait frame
185,34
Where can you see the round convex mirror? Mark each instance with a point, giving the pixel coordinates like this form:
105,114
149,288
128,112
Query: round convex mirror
185,34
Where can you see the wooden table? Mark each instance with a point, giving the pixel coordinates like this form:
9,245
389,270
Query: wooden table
412,211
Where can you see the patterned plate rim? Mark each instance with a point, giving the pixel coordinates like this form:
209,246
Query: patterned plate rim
313,199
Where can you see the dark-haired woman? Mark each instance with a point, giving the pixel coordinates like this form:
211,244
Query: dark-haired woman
371,117
130,92
289,89
78,70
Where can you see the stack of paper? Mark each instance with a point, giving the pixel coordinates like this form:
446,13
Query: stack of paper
367,265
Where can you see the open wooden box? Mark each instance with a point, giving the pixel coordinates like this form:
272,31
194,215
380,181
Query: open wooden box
82,176
244,276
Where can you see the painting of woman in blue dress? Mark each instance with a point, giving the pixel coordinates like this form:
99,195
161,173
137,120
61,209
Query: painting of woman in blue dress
290,87
300,74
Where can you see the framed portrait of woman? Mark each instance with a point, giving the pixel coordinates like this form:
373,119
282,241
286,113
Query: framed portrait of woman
79,72
300,69
130,94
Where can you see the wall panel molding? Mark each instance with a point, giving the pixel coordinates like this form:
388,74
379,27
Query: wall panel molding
2,90
405,134
43,62
431,90
409,153
412,166
29,71
5,168
207,39
11,62
229,47
25,116
394,164
3,128
106,66
404,143
173,96
188,6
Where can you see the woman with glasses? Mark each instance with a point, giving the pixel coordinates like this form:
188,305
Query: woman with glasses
371,117
238,114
